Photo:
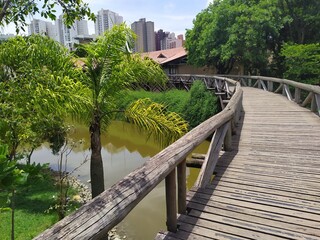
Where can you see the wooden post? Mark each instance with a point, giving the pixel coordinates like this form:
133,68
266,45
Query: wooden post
249,82
314,104
227,145
171,201
317,100
297,95
182,187
270,86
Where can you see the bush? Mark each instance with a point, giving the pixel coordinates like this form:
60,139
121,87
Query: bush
201,104
194,106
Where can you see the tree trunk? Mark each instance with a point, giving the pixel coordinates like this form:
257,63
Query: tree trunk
96,165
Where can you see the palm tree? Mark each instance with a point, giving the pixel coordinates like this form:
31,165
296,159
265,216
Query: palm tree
109,68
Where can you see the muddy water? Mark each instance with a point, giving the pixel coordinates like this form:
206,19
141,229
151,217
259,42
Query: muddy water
124,150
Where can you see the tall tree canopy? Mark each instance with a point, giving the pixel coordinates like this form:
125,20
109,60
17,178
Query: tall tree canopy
16,10
250,32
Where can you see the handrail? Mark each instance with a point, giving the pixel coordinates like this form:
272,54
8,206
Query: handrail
312,98
94,219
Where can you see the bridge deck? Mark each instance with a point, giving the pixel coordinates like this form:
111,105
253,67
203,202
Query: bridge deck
268,187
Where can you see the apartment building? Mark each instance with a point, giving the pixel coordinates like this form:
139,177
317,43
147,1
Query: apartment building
105,20
144,30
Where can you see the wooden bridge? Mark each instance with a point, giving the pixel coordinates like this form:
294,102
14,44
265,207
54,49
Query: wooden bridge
259,180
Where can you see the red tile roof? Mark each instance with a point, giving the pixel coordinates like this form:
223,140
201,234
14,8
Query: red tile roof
164,56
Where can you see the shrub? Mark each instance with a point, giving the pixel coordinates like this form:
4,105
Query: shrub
194,106
201,104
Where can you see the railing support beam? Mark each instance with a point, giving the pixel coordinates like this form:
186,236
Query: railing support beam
182,187
171,201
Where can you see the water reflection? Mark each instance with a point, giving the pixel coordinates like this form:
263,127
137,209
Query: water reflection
124,149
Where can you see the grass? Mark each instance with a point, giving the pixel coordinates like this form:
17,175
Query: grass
31,209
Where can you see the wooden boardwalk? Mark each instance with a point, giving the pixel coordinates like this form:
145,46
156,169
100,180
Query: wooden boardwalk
268,186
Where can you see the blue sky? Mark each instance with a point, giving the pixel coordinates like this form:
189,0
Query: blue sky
169,15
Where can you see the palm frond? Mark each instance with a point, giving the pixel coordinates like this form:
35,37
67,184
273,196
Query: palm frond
166,127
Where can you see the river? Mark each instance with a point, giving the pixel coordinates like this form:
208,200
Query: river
124,149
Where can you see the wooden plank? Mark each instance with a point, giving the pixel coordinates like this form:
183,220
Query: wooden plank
266,190
263,199
258,205
216,226
274,227
261,213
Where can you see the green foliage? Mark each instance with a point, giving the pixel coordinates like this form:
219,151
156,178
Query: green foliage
302,21
38,86
174,100
155,120
194,106
302,62
229,31
251,33
16,10
201,104
10,175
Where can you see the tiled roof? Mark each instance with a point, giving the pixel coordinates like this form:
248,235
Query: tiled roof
164,56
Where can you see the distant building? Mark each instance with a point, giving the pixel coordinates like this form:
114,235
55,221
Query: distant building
67,35
160,37
167,40
41,27
105,21
59,31
4,37
145,41
174,61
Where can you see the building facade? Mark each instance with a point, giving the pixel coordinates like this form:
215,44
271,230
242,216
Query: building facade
105,20
144,30
41,27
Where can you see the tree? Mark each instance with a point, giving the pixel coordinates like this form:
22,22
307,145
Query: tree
302,62
232,31
303,21
38,87
109,69
251,33
16,10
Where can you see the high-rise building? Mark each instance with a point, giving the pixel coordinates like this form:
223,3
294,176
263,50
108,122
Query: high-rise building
105,19
41,27
67,35
160,36
145,41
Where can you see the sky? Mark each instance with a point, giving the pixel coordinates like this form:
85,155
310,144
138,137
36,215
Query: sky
169,15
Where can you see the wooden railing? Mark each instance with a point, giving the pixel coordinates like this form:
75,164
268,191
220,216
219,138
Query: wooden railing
294,91
97,217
